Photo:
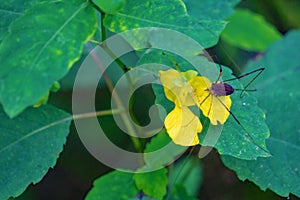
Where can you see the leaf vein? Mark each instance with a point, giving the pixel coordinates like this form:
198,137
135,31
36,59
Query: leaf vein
10,12
26,136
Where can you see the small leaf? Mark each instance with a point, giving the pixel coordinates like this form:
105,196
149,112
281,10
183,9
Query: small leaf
29,146
163,151
278,93
114,185
111,6
170,14
249,31
153,184
40,49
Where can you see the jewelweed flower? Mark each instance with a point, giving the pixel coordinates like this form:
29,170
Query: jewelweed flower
186,89
181,123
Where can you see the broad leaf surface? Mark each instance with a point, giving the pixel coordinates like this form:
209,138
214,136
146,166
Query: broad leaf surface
249,31
233,139
11,10
29,146
170,14
278,94
210,9
153,184
111,6
41,47
114,185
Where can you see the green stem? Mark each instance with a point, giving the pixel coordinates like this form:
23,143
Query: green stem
103,38
103,30
136,142
111,54
130,129
98,113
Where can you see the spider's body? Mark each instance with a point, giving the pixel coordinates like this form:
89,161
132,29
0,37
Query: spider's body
221,89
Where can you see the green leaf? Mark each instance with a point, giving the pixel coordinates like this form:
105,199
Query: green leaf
170,14
54,88
249,31
153,184
29,146
210,9
163,150
40,49
11,10
234,141
188,174
141,198
111,6
114,185
278,94
287,14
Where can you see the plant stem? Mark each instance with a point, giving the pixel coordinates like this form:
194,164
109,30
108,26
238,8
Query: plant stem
103,30
130,129
98,113
103,38
111,54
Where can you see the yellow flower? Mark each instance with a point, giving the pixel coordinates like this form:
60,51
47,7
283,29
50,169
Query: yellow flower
181,123
186,89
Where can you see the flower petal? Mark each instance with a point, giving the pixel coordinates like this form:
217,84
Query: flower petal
183,126
177,87
166,78
218,112
189,74
200,84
